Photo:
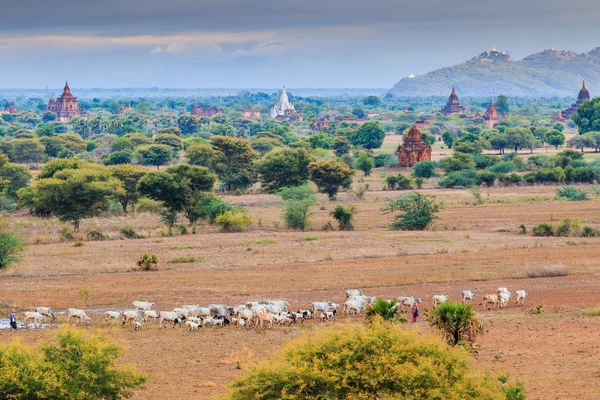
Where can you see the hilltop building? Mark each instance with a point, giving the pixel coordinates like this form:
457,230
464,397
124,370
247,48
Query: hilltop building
413,150
9,108
206,112
584,95
284,109
65,107
491,115
453,106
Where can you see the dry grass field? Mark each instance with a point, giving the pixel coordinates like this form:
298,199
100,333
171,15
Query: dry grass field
476,247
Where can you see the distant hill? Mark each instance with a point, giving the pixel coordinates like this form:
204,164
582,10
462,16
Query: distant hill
549,73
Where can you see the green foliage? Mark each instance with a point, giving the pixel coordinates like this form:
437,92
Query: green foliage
372,101
27,151
188,124
388,310
129,176
568,227
543,229
330,175
344,217
341,145
236,166
283,168
320,141
13,177
370,136
572,193
364,162
398,182
171,140
145,204
502,104
120,144
503,167
129,233
297,203
154,154
448,139
457,323
590,231
365,362
76,365
147,262
10,247
587,116
419,211
555,138
233,221
464,178
120,157
95,235
424,169
457,162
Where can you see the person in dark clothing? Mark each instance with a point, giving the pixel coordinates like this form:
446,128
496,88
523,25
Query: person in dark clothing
12,319
415,312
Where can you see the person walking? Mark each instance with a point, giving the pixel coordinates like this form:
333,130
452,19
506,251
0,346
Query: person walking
415,312
12,319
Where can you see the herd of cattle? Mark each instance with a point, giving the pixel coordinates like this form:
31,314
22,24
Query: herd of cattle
262,314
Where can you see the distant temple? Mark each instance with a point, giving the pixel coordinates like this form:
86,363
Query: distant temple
491,115
9,108
453,106
206,112
284,109
65,106
422,123
584,95
249,113
413,150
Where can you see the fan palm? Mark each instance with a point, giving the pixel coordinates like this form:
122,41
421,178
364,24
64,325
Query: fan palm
458,323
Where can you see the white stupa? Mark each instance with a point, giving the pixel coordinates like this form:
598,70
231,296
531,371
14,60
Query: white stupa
283,107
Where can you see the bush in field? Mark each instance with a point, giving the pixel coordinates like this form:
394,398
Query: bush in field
424,169
590,231
94,234
388,310
572,193
9,249
233,221
419,211
147,262
464,178
503,167
129,233
297,203
568,227
366,362
330,175
364,162
543,229
77,365
344,217
458,323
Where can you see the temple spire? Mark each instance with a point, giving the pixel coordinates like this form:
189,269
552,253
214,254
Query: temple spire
583,87
453,91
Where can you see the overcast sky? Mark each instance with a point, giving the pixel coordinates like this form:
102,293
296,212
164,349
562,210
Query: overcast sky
268,43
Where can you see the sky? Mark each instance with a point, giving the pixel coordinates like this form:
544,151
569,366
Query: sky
270,43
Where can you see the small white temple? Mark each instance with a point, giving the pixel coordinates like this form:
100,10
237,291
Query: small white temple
284,108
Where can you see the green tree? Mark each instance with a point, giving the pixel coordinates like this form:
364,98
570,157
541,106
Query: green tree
344,217
358,112
172,130
498,141
12,177
75,194
171,140
365,362
154,154
520,138
559,127
580,142
370,135
120,144
73,143
188,124
341,145
418,211
364,162
52,145
297,203
204,155
448,139
502,105
329,176
119,157
457,162
77,365
236,168
49,116
320,140
555,138
45,130
284,167
129,176
137,139
458,323
10,247
424,169
27,151
587,116
222,130
373,101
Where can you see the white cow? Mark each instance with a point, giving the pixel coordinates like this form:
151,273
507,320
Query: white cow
353,293
490,299
33,315
113,315
466,296
132,315
150,314
323,306
143,305
168,316
47,312
408,301
79,314
503,299
521,297
439,299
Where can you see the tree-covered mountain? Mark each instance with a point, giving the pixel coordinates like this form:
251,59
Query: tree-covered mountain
549,73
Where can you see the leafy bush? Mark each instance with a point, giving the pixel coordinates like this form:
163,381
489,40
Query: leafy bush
424,169
419,211
78,365
547,272
384,160
365,362
148,205
486,177
483,162
297,203
572,193
147,262
79,243
344,217
503,167
458,323
233,221
66,234
388,310
568,227
182,260
129,233
311,238
94,234
543,229
464,178
10,247
510,179
590,231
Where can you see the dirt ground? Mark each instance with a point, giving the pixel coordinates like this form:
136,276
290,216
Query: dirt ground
476,247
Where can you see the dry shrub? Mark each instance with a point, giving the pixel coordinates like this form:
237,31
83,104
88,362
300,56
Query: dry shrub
549,271
237,357
207,384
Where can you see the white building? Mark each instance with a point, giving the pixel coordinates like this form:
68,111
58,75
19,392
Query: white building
284,107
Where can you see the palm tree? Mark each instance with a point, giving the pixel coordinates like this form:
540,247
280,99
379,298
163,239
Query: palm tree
458,323
386,309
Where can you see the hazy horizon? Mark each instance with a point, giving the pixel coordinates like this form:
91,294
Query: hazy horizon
307,44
